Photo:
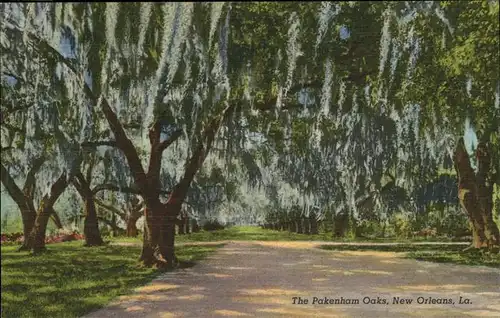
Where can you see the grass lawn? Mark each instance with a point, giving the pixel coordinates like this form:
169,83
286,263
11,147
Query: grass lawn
71,280
255,233
432,253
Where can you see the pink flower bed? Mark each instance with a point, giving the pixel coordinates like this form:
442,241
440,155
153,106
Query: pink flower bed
49,239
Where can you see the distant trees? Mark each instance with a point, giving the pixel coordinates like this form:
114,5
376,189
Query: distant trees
321,115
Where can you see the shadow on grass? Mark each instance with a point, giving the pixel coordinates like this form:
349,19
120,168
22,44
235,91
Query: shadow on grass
70,280
440,253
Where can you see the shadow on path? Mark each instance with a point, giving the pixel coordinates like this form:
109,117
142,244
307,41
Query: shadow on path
260,279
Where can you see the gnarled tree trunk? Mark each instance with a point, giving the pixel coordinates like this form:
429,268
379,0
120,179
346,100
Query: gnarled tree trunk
36,238
23,197
475,193
91,224
154,224
161,219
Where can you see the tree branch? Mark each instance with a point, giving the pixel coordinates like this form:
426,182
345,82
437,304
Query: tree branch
56,190
198,157
110,208
175,135
29,183
113,226
157,149
55,218
94,144
113,187
123,142
14,191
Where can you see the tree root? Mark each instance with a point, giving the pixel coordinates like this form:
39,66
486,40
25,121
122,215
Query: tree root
160,263
39,250
94,244
23,248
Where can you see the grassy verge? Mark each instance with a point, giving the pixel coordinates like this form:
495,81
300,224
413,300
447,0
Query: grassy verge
254,233
70,280
432,253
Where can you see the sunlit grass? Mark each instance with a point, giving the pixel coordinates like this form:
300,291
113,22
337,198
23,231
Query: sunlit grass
439,253
236,233
255,233
70,280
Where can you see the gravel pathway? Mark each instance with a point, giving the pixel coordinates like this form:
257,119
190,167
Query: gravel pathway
261,279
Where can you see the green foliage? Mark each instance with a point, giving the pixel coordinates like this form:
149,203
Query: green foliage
401,224
11,223
496,204
451,222
371,229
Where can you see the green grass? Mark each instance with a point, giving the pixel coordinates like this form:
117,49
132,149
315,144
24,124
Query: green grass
71,280
254,233
438,253
236,233
248,233
462,258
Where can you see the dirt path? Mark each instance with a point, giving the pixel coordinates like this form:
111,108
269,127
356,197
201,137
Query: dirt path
302,244
260,279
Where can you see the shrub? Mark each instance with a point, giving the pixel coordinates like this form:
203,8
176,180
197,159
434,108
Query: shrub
401,223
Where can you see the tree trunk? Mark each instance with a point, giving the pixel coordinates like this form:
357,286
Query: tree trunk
181,224
475,193
36,239
132,230
300,230
307,226
188,231
57,221
28,217
195,226
167,245
22,198
340,224
154,218
158,244
314,224
159,233
91,223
